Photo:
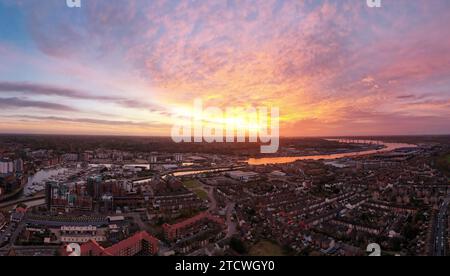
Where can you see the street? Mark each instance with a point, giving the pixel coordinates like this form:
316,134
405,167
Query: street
440,229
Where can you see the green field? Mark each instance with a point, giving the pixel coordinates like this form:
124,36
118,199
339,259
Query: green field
195,187
266,248
201,194
191,184
443,164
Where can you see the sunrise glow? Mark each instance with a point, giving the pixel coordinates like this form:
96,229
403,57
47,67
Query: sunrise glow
129,67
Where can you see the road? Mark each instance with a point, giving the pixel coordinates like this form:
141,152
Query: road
12,233
5,235
13,203
48,250
136,216
441,229
212,199
231,225
213,206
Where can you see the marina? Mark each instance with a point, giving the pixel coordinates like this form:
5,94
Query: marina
36,182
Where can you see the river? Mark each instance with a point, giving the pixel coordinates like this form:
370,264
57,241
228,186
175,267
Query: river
41,176
283,160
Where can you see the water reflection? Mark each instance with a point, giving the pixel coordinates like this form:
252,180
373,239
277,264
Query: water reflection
284,160
39,178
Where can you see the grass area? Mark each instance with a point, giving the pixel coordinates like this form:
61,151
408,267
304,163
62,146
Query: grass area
443,163
266,248
195,187
201,194
192,184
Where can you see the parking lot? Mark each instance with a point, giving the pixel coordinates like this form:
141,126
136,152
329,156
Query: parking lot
6,233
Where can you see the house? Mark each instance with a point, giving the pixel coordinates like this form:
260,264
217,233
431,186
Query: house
243,176
140,244
2,221
18,214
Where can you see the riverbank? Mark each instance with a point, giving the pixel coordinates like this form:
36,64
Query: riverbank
12,195
38,199
23,193
284,160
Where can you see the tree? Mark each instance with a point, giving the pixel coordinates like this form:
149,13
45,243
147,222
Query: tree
238,246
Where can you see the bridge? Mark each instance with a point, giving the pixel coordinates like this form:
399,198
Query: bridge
358,141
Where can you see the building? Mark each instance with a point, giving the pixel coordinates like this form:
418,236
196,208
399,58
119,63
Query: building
94,186
2,221
6,166
81,234
189,226
243,176
49,190
178,158
140,244
18,214
153,159
18,165
70,157
65,198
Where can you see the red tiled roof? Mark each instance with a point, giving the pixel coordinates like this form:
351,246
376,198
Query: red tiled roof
92,248
192,220
139,237
21,210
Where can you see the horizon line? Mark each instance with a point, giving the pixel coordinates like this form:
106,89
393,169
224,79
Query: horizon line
168,137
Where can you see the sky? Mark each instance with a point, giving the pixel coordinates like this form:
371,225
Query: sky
134,67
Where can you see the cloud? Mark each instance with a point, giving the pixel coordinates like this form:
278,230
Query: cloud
38,89
406,97
90,121
316,60
359,122
50,90
8,103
